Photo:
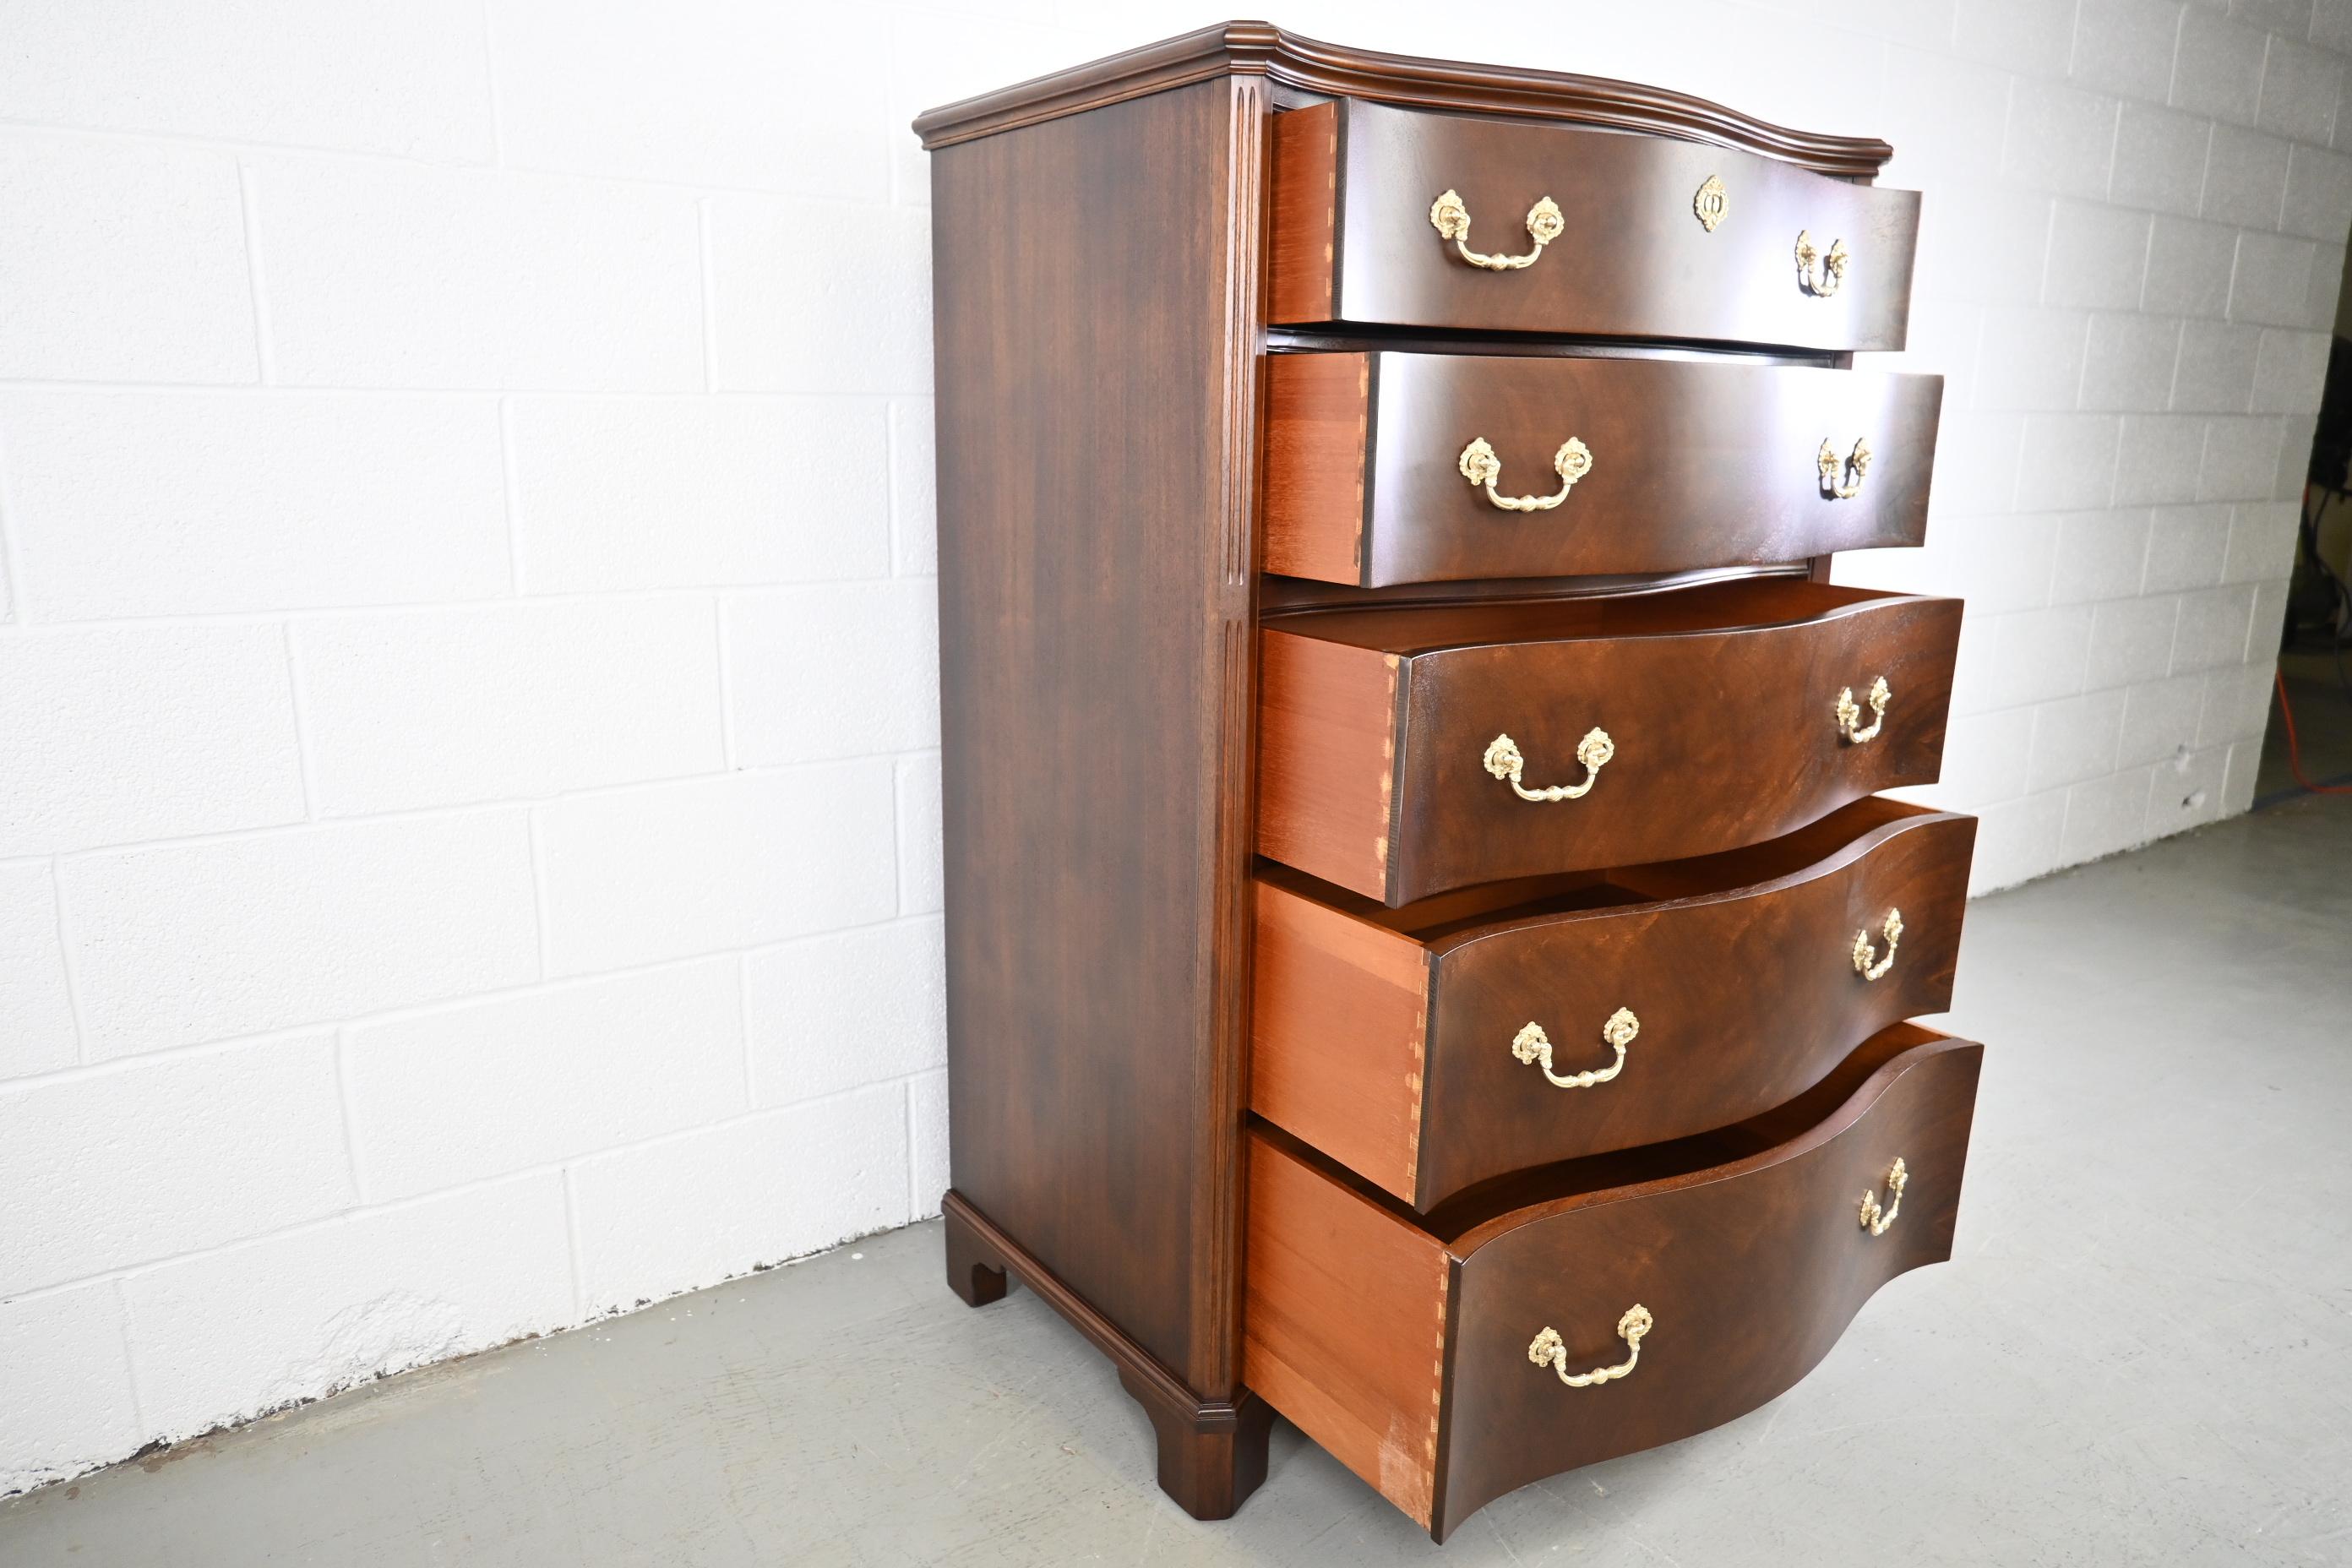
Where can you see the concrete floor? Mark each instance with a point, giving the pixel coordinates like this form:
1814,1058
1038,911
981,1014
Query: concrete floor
2142,1352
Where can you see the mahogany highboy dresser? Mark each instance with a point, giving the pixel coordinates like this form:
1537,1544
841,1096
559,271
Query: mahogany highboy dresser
1424,953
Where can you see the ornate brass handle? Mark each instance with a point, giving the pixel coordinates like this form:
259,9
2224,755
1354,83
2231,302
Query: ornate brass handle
1849,716
1866,962
1452,221
1834,468
1532,1045
1872,1220
1481,467
1503,761
1546,1349
1826,281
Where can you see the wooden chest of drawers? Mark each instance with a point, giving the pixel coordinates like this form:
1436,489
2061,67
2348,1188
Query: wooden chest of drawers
1426,952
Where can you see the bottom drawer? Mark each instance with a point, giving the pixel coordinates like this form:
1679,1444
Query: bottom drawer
1449,1358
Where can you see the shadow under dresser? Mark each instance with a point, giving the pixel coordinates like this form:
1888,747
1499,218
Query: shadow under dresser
1426,952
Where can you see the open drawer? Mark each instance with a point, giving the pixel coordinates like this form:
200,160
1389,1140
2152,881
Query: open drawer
1384,468
1401,218
1403,751
1517,1024
1581,1311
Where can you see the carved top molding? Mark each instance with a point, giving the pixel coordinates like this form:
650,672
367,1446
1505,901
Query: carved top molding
1261,49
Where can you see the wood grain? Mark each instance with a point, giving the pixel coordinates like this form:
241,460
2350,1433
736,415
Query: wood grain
1212,1452
1743,1244
1123,726
1288,61
1345,1324
1337,1034
1752,1268
1696,464
1633,262
1095,284
1737,966
1745,992
1318,454
1720,700
1302,213
1327,752
1280,595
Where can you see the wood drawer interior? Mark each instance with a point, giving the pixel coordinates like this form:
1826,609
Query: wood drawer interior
1442,917
1730,606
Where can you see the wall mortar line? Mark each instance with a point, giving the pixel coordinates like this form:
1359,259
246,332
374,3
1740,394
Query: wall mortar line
258,291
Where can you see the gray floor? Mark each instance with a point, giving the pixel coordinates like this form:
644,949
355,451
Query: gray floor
2142,1352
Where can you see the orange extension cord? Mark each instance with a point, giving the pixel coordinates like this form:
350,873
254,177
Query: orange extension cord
2295,749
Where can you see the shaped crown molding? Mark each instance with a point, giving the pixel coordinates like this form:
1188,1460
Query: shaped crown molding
1261,49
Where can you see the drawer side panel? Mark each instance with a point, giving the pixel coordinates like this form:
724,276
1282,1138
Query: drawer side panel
1344,1324
1337,1035
1305,208
1317,461
1327,758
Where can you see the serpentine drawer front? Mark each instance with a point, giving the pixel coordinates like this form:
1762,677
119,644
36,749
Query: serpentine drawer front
1387,468
1602,1307
1403,218
1422,950
1518,1024
1405,752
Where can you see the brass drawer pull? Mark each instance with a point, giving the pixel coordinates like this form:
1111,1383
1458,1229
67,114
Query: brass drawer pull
1452,221
1532,1045
1867,964
1849,716
1503,761
1481,467
1834,468
1546,1350
1824,282
1872,1220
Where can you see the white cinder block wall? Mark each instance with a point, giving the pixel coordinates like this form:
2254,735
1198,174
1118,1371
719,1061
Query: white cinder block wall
468,786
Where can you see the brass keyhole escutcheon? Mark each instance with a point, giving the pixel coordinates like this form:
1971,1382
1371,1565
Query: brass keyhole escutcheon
1711,205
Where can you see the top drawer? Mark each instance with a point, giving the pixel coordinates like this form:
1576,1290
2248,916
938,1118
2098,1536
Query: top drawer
1628,255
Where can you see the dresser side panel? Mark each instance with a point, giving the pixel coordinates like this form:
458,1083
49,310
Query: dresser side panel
1094,330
